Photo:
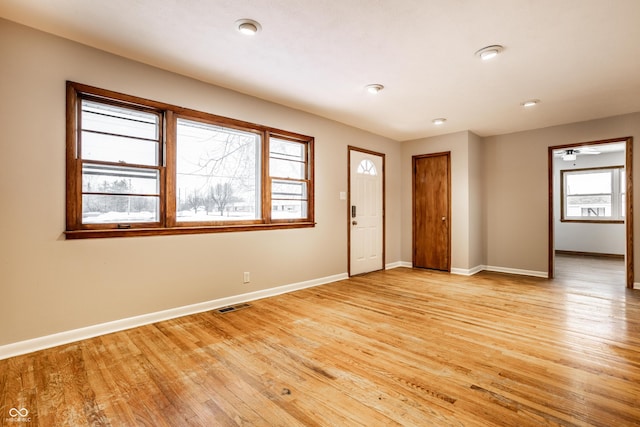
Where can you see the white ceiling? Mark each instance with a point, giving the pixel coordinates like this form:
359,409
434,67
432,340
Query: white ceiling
581,58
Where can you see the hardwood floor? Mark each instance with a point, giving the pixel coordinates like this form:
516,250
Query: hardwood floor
599,269
399,347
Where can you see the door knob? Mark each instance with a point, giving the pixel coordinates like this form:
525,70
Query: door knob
444,218
354,222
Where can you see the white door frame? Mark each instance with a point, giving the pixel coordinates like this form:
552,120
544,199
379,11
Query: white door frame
349,204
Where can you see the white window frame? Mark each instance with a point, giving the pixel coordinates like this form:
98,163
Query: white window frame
618,194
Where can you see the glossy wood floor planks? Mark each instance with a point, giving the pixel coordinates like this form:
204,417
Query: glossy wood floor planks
402,347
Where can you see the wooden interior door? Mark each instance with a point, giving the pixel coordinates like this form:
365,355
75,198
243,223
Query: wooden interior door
432,211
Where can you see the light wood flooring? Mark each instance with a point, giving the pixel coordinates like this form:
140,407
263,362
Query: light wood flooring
401,347
590,268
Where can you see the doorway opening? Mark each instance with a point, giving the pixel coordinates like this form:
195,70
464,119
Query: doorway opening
590,211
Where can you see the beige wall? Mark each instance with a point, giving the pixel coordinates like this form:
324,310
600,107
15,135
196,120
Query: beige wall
500,192
516,177
476,202
50,284
465,162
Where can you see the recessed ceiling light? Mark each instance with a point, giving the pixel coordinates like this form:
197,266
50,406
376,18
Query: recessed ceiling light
489,52
530,103
374,88
439,121
248,27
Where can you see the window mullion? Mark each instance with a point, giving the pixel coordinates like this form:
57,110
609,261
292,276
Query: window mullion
266,178
169,159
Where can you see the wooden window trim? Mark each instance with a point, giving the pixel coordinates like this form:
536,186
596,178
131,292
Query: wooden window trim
309,173
168,224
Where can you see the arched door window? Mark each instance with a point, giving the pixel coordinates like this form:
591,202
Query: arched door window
366,167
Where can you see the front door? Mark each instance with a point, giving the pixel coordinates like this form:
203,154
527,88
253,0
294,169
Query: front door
366,211
431,212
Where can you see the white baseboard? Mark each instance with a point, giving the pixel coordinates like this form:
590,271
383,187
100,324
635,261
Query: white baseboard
398,265
477,269
636,285
517,271
469,271
40,343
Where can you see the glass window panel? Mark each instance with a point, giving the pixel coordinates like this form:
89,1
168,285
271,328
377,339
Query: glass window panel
109,148
287,159
578,206
286,169
287,150
288,209
198,200
107,118
288,190
366,167
109,209
119,179
593,211
589,183
217,175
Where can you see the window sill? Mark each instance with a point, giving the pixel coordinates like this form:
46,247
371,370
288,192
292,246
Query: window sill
594,221
138,232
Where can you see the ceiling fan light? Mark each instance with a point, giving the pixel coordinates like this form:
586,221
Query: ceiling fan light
569,157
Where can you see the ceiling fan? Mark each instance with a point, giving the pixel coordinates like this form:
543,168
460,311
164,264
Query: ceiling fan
571,154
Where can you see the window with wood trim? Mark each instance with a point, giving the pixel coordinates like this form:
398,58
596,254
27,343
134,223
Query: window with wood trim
593,194
140,167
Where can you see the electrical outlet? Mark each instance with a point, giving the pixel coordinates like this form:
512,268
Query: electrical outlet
246,278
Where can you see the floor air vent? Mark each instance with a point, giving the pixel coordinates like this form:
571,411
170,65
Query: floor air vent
230,308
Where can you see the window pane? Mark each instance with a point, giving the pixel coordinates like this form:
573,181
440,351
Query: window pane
288,190
109,148
119,121
287,150
591,206
288,209
217,175
119,179
286,169
109,209
366,167
589,183
287,159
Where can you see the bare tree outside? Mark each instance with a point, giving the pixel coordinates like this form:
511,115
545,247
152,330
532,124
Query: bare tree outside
219,164
193,201
221,196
